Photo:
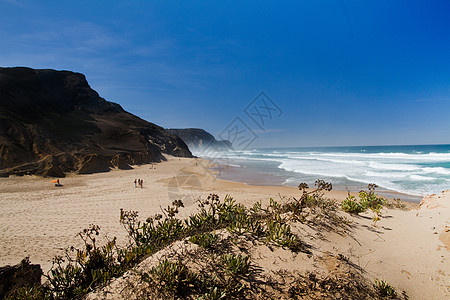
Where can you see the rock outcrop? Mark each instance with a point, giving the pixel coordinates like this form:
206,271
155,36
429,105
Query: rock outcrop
201,140
52,122
20,275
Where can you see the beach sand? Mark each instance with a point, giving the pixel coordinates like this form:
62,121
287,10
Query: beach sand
410,249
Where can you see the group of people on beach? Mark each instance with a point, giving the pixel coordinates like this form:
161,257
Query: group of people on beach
139,183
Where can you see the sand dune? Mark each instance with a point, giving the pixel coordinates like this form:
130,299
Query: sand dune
410,249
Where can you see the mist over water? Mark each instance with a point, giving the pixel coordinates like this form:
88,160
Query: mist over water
414,170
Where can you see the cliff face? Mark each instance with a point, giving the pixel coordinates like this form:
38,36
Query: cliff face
199,139
52,122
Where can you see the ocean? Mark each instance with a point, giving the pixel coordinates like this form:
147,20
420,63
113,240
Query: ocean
414,170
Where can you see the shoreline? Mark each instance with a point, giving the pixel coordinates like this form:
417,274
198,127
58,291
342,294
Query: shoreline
259,180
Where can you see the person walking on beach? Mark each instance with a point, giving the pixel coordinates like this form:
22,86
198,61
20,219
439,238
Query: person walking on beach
142,183
135,183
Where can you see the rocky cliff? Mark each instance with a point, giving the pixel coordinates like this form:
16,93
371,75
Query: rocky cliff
199,139
52,122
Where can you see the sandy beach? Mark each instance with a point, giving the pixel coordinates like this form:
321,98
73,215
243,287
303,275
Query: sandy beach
409,248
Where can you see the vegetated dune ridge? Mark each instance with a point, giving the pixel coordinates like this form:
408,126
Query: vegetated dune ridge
407,248
52,122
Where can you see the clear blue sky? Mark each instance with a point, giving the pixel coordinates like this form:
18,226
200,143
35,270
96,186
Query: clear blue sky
343,72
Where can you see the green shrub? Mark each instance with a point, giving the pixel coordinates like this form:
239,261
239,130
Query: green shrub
367,200
236,263
220,287
74,276
396,203
384,289
27,292
370,199
205,240
170,276
351,205
215,293
280,233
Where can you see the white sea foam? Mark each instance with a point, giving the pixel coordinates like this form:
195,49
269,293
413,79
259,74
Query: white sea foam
413,173
234,165
393,167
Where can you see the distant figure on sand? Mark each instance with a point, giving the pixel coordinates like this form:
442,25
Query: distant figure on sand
142,183
135,183
57,184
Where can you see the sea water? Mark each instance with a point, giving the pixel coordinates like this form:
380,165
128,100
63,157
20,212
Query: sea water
415,170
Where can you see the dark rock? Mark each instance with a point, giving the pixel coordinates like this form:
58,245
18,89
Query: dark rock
53,171
94,164
22,274
120,161
56,113
201,140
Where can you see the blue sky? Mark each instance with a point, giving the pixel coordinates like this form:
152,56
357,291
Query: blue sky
342,72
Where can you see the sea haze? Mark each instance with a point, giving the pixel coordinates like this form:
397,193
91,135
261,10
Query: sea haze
415,170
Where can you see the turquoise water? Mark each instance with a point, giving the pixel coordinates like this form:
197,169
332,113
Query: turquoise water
415,170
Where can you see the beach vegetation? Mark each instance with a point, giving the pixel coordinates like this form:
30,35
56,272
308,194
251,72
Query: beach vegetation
80,269
318,286
384,289
208,240
224,272
279,232
352,205
219,279
236,263
172,277
29,292
367,200
395,203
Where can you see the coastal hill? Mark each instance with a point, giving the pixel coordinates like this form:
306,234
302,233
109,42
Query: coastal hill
199,139
52,122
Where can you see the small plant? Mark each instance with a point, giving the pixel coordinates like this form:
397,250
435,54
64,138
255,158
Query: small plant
170,276
238,221
370,199
351,205
311,196
342,257
376,213
219,287
367,200
236,263
280,233
27,292
205,240
215,293
73,276
384,289
257,207
274,206
396,203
